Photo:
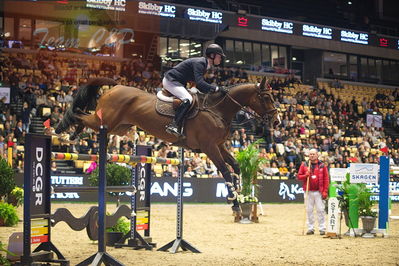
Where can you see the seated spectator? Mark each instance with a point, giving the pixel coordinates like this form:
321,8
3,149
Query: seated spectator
53,168
210,168
283,169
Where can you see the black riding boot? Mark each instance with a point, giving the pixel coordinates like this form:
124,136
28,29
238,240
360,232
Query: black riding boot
175,127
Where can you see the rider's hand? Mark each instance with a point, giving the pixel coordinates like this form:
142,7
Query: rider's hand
216,89
223,89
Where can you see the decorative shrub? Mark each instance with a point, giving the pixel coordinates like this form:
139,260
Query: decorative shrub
122,225
8,214
16,197
7,182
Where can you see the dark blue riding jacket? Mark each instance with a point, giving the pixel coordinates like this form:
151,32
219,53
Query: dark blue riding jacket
192,69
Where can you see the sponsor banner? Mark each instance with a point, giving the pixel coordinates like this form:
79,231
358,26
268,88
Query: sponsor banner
142,220
37,174
5,92
317,31
281,26
338,174
39,239
39,223
38,231
162,10
364,173
115,5
212,190
354,37
203,15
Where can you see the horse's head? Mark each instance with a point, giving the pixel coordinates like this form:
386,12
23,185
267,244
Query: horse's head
263,104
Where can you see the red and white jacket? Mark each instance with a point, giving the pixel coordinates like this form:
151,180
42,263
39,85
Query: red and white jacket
319,179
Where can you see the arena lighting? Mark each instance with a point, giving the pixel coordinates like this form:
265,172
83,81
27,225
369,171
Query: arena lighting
294,59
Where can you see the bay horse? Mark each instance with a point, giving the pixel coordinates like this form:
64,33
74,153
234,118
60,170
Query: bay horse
123,106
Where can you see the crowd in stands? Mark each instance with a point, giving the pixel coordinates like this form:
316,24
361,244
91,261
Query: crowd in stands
312,116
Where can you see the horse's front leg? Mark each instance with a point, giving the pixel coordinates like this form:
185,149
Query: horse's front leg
228,158
215,155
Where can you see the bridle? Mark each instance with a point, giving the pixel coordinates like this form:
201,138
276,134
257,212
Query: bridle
266,117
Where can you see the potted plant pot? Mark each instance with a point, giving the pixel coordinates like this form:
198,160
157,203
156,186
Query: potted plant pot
112,237
246,209
368,225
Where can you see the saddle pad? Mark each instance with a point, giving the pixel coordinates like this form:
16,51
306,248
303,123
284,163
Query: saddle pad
166,109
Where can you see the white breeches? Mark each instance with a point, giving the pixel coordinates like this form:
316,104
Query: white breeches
177,90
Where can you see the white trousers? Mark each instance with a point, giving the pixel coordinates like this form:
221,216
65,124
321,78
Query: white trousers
177,90
315,199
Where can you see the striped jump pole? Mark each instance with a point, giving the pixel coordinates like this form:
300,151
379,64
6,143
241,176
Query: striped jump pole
115,158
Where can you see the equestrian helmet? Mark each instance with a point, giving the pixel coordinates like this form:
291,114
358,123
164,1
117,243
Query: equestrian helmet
214,49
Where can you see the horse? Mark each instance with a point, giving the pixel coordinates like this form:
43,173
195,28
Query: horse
121,107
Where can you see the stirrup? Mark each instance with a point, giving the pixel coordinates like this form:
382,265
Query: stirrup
172,129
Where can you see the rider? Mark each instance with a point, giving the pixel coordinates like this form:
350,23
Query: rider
192,69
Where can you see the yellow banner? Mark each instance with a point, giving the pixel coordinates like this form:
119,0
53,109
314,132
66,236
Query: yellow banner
142,220
38,231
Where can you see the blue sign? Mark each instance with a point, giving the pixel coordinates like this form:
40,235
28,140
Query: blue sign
277,26
354,37
204,15
317,32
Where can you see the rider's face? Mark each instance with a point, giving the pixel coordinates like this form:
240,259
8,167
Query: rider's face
217,60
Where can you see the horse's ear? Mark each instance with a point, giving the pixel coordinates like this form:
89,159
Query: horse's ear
262,84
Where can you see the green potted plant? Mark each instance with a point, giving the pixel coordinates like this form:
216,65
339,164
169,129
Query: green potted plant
249,162
7,182
8,214
116,232
117,175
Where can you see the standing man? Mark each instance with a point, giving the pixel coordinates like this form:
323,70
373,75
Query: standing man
316,176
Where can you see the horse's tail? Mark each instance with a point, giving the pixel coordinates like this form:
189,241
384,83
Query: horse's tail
85,100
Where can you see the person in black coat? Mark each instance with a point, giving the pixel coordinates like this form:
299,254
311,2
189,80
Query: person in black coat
192,69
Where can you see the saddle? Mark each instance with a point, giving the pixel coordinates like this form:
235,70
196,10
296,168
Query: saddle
167,103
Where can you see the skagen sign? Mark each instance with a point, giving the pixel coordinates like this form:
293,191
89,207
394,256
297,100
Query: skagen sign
116,5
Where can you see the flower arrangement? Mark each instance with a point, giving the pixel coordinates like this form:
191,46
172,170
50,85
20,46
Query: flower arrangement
247,199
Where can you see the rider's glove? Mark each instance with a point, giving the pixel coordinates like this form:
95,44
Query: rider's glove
223,89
